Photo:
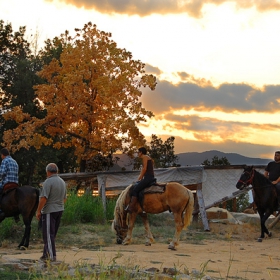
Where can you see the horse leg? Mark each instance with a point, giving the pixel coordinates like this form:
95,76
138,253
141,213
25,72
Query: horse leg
23,245
264,230
2,217
132,218
149,236
179,225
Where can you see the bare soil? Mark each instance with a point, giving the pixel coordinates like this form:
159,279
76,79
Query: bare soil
227,251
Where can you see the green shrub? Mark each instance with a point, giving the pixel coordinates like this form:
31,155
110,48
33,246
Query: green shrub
87,209
6,229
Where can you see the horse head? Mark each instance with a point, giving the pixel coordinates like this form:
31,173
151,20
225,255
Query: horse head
119,226
246,178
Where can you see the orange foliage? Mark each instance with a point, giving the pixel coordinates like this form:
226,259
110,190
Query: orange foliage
91,96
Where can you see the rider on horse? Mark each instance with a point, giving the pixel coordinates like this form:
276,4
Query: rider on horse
272,172
145,178
8,172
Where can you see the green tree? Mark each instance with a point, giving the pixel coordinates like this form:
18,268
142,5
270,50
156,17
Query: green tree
90,96
162,152
216,161
18,68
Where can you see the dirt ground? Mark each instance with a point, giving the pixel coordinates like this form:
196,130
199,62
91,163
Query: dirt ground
227,251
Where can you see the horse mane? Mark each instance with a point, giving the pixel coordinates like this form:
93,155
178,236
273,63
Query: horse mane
120,205
263,180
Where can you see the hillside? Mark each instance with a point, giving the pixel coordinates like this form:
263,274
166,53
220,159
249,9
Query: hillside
194,158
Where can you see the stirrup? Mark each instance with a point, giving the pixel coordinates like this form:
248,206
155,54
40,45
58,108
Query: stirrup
127,210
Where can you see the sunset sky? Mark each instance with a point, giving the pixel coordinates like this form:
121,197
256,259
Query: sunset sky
217,63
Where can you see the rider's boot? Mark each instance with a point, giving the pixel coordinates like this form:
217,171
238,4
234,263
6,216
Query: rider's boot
278,199
132,205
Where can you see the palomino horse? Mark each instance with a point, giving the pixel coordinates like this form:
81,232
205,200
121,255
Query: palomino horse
175,198
264,194
20,200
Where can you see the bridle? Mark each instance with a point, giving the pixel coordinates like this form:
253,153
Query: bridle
250,180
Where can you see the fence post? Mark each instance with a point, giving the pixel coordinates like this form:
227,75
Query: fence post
102,192
202,207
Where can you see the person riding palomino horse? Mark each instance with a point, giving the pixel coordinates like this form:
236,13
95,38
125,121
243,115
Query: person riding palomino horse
8,174
145,178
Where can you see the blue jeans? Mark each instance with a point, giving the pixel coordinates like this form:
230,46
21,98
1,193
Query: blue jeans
144,183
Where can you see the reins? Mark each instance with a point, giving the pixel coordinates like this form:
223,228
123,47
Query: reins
250,180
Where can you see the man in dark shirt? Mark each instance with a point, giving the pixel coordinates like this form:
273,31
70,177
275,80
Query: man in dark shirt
272,172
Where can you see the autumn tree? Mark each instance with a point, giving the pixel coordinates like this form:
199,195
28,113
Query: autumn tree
17,77
18,68
90,96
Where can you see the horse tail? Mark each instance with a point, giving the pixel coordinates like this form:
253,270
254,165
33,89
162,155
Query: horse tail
188,209
37,193
37,197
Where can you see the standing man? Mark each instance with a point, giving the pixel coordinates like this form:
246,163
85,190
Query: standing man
50,209
8,171
272,172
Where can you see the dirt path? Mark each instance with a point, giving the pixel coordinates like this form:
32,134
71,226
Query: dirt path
238,256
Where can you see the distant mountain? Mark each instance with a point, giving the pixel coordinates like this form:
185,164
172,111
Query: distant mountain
194,158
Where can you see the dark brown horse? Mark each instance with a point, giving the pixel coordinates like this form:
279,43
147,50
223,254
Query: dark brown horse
264,194
176,198
20,201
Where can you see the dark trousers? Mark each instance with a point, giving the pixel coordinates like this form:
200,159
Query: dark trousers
50,225
277,186
144,183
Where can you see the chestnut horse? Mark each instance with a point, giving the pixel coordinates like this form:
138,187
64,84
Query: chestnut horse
175,198
264,194
20,201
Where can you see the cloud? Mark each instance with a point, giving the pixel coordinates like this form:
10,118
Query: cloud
149,69
246,149
227,117
148,7
226,98
217,130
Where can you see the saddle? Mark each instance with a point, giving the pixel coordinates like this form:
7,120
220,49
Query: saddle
9,186
153,188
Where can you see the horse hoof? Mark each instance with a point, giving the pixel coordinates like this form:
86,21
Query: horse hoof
125,243
172,247
259,239
23,248
148,244
270,234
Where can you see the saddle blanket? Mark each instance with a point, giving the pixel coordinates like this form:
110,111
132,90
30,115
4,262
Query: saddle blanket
156,188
